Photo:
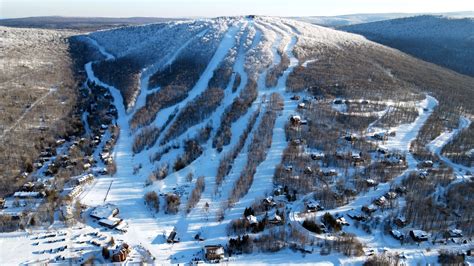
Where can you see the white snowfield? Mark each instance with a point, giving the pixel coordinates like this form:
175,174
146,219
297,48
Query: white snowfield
159,45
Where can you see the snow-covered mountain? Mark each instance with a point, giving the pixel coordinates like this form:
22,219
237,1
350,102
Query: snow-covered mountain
352,19
441,40
271,140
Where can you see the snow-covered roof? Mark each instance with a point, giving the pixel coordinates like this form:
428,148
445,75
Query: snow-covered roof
252,219
104,211
26,194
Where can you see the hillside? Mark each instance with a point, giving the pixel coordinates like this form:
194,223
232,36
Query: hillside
353,19
252,140
444,41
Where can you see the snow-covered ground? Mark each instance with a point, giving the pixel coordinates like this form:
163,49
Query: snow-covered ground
256,45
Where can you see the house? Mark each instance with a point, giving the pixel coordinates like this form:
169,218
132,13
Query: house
84,179
295,97
121,254
427,163
317,155
397,234
274,219
381,201
214,253
28,186
308,170
288,168
357,216
423,174
394,159
380,136
419,235
295,120
2,203
342,221
369,209
71,192
455,233
338,101
331,172
268,202
302,105
400,221
371,182
252,220
313,206
391,195
350,137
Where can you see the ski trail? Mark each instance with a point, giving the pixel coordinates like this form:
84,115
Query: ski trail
27,111
437,145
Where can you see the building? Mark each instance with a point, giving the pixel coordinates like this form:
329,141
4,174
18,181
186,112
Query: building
419,235
214,253
104,211
121,254
28,194
110,222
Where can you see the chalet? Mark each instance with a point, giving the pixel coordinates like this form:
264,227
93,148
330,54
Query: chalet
275,219
317,155
330,172
371,182
369,209
422,174
391,195
397,234
214,253
381,201
351,138
295,120
427,163
357,216
172,238
401,221
29,186
380,136
121,254
313,206
419,235
268,202
308,170
252,220
342,221
295,97
455,233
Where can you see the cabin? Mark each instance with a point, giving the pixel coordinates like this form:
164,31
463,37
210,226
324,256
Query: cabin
419,235
401,221
313,206
214,253
371,182
252,220
172,238
295,97
455,233
121,254
380,201
397,234
317,156
427,164
295,120
268,202
382,136
275,219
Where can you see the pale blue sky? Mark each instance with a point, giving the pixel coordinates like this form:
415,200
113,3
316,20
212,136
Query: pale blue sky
212,8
